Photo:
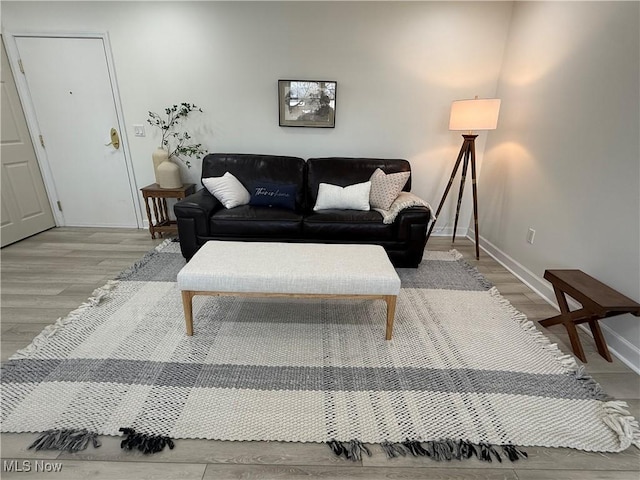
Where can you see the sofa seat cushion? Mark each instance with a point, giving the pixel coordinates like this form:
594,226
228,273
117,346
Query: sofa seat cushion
347,225
254,221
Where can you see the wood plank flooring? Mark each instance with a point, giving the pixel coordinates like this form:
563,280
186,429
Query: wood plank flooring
48,275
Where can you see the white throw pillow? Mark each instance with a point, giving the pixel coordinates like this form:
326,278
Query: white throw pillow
385,188
228,190
353,197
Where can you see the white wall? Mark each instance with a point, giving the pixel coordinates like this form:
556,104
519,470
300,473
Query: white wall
566,157
398,67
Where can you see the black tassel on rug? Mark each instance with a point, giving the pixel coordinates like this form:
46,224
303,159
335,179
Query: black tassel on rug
351,451
415,448
65,440
147,444
393,450
486,450
438,450
513,453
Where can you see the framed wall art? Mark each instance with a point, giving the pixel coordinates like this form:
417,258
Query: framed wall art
307,103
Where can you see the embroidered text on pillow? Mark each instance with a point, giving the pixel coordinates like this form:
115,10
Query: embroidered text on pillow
274,195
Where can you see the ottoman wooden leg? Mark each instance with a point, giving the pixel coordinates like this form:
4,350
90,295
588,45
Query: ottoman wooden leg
187,297
391,312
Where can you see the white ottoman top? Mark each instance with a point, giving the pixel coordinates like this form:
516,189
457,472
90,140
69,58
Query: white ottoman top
305,268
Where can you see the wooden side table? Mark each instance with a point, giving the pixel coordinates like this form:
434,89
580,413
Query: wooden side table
598,301
156,198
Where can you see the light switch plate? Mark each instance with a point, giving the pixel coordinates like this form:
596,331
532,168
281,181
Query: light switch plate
531,234
138,130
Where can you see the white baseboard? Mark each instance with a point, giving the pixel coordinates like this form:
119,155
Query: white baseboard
448,231
619,346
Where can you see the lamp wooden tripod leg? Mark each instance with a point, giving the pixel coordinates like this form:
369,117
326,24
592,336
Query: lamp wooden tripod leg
468,154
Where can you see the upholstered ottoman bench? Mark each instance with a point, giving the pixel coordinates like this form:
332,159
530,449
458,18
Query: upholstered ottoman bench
290,270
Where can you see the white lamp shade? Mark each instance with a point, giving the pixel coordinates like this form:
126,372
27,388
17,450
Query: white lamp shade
478,114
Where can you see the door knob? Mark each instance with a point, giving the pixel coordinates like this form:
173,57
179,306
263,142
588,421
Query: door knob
115,139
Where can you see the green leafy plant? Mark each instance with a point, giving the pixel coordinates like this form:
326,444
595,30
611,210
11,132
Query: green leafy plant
176,141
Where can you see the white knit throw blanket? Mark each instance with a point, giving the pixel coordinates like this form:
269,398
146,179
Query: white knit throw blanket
402,201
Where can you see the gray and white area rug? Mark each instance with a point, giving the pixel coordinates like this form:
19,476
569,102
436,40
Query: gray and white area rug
464,372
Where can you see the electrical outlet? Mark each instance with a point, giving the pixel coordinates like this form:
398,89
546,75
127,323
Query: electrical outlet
138,130
531,234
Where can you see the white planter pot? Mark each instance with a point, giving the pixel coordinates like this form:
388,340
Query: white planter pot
158,156
168,175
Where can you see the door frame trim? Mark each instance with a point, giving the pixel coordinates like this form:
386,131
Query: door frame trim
34,130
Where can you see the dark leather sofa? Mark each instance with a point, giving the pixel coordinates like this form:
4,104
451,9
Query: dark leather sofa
201,217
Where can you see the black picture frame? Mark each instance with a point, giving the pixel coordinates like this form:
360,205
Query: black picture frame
307,103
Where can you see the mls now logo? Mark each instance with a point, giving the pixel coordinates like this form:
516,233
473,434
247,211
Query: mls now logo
31,466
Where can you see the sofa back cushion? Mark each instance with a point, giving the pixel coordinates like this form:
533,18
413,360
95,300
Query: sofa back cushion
347,171
251,169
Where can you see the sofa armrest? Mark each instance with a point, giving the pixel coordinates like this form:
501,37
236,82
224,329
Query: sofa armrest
412,224
199,207
192,218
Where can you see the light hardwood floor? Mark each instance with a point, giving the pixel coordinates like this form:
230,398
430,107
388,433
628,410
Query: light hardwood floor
48,275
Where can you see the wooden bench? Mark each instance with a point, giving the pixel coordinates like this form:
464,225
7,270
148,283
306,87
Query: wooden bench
598,301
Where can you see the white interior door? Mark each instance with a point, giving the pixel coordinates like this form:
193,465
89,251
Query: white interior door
25,207
70,88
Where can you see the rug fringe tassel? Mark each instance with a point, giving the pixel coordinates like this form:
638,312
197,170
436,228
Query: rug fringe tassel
415,448
486,451
143,261
466,450
513,453
617,417
98,295
145,443
356,449
471,270
438,450
455,254
393,450
65,440
590,384
568,362
352,450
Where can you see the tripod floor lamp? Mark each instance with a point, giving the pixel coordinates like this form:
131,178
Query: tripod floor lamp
469,115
